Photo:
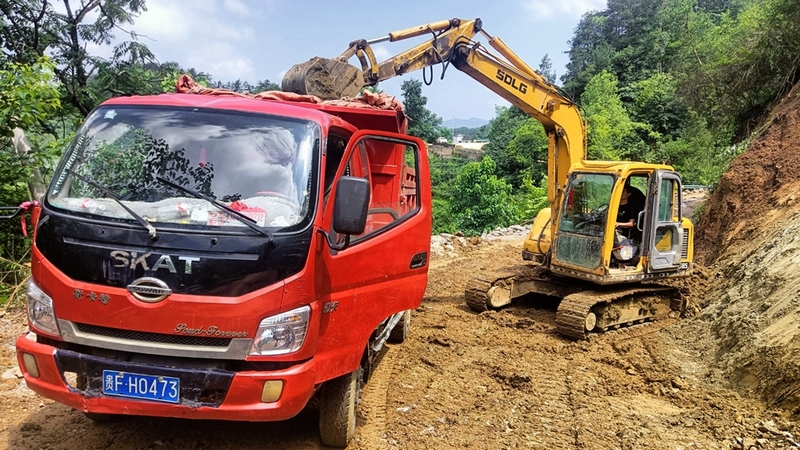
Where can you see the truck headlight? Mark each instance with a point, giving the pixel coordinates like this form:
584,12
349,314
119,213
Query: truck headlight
283,333
41,314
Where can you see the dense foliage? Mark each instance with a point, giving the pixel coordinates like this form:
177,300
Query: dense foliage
422,122
682,81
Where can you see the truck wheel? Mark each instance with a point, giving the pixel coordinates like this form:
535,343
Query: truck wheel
82,383
400,331
337,410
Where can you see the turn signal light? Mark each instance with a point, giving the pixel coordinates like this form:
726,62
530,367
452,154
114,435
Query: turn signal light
30,365
272,391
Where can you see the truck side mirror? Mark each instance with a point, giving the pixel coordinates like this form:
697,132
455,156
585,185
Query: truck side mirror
350,208
350,205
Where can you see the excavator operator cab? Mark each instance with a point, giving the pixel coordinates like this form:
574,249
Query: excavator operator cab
594,240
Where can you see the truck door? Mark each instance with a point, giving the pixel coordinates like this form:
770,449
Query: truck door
383,270
664,235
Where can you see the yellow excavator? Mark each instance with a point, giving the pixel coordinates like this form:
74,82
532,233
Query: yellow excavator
613,230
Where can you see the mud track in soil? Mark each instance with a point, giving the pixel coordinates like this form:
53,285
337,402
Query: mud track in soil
494,380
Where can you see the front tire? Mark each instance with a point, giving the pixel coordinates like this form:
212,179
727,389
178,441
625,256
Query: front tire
337,410
102,418
400,331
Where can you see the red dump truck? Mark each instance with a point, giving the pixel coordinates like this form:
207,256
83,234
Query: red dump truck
217,257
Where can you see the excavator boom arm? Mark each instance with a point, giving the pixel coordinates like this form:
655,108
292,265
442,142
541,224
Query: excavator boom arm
558,115
510,78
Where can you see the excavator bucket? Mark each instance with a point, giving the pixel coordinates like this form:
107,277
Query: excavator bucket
328,79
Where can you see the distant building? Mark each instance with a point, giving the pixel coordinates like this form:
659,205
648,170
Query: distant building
458,138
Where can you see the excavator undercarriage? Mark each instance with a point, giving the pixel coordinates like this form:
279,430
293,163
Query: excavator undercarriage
585,308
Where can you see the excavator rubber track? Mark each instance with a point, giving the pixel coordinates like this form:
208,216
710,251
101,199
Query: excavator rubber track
583,313
493,290
476,294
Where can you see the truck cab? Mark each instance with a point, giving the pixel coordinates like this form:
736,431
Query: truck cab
217,257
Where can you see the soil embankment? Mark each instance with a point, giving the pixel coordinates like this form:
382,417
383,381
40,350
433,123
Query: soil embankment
749,238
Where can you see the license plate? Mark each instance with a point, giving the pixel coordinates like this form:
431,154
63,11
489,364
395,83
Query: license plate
146,387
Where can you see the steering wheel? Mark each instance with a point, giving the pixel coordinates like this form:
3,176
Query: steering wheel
593,216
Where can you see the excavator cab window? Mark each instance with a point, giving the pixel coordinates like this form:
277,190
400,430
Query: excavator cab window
583,219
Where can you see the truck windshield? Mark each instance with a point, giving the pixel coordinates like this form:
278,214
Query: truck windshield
258,165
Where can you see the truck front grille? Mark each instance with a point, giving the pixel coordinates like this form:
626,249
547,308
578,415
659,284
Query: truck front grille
173,339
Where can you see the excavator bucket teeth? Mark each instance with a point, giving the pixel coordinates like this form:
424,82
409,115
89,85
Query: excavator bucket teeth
328,79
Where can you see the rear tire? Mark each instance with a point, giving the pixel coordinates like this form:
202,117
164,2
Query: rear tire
400,331
337,410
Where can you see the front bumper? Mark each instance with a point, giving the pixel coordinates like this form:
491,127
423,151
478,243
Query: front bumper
205,393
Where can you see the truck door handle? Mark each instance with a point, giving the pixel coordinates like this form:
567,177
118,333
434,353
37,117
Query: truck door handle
419,260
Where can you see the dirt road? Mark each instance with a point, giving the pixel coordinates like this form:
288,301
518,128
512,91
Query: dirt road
491,381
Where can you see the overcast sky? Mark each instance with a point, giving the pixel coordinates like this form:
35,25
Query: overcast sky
260,39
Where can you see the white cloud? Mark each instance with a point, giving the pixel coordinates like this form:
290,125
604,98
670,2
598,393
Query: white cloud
570,8
381,52
223,61
209,36
236,7
170,23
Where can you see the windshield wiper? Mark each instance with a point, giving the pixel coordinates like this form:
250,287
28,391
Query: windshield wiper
151,230
249,221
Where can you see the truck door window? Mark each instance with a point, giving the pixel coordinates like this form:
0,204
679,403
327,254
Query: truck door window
391,169
334,152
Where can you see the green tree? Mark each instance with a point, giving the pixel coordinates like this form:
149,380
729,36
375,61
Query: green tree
530,198
443,172
422,123
546,69
529,150
245,86
608,122
481,201
734,66
33,28
656,103
502,131
589,53
27,95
